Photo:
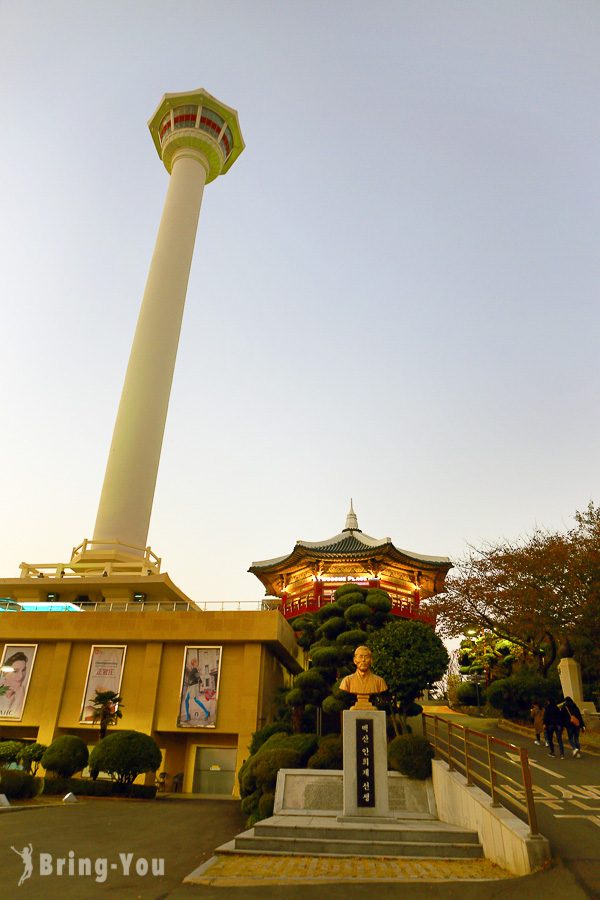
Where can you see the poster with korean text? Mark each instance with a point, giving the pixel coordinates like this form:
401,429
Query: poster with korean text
105,671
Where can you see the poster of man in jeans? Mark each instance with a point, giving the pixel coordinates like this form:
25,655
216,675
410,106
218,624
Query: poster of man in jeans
199,687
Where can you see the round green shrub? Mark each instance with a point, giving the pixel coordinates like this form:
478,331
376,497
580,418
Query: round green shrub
350,597
31,756
10,752
469,694
18,785
350,588
302,623
65,756
295,697
516,694
311,680
353,638
268,764
332,627
411,755
378,600
326,656
264,733
304,639
327,612
125,755
250,803
266,804
304,744
333,704
358,612
329,755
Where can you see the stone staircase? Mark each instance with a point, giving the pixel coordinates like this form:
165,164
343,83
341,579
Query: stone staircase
326,836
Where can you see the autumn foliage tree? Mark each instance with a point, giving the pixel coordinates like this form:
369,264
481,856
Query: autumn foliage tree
535,592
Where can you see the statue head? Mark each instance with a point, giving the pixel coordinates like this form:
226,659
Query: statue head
362,659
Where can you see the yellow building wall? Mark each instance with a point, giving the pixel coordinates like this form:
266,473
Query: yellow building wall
259,654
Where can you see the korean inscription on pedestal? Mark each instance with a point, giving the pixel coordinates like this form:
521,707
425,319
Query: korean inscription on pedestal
365,761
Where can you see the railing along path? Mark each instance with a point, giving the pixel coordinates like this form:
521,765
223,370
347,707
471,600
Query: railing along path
487,762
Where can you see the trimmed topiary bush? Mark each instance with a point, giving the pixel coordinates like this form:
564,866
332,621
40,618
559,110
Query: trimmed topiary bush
378,600
470,694
331,627
326,657
411,755
263,734
516,694
10,751
258,775
30,756
348,595
329,755
18,785
352,639
65,756
125,755
268,765
265,805
358,612
85,787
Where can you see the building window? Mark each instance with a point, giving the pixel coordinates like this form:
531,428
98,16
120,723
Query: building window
165,126
210,122
185,116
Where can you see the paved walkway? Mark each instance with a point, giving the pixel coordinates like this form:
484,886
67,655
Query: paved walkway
242,870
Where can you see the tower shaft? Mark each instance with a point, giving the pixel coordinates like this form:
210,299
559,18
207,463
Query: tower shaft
128,490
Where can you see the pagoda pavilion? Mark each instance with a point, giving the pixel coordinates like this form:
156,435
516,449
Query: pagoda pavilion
305,579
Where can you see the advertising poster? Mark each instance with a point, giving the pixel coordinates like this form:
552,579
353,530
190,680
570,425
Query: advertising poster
105,671
17,665
199,687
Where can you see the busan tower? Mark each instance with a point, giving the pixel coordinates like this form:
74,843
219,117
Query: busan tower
198,138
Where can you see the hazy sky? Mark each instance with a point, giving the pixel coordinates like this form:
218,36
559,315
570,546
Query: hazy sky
394,294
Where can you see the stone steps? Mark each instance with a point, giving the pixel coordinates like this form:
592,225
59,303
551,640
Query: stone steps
335,839
360,833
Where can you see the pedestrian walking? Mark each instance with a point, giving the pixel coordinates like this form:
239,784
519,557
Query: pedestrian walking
573,721
553,724
537,714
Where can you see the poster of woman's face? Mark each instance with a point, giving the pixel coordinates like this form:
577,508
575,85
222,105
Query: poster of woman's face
15,673
199,687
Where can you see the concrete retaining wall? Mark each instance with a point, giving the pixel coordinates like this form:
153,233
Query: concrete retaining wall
505,838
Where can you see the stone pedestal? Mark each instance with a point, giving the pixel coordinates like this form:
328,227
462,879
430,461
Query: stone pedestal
365,765
569,671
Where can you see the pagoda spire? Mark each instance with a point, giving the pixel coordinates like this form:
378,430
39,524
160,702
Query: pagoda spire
351,520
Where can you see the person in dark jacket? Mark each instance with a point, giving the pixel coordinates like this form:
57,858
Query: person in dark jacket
573,720
553,724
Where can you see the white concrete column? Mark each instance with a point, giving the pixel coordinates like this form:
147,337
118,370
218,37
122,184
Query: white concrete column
130,479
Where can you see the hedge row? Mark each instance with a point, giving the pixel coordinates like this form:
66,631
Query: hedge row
19,785
85,787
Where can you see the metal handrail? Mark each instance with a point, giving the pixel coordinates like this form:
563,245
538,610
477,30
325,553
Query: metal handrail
478,757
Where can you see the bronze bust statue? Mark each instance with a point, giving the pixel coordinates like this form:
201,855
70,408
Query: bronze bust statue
364,682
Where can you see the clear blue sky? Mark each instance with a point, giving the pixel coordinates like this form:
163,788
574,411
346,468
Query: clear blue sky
394,294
